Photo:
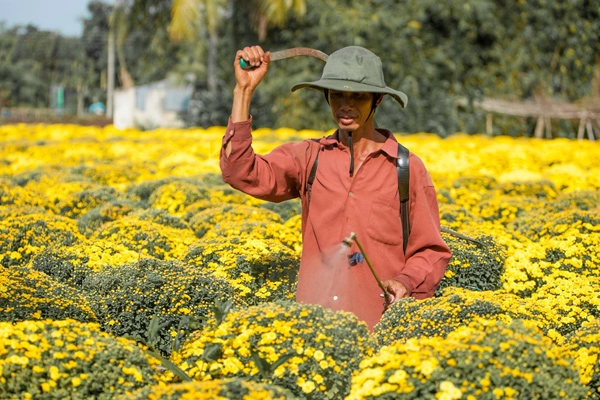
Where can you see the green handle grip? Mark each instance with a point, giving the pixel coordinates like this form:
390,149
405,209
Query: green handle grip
244,64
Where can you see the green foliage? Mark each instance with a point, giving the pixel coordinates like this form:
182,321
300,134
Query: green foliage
232,388
286,209
69,359
31,295
320,348
473,266
60,265
126,298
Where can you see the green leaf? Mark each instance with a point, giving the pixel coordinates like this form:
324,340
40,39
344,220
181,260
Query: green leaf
170,366
212,352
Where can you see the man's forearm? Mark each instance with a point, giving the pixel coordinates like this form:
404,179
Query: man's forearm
241,104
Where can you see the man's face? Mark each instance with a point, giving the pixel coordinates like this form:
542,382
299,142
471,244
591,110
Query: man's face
350,109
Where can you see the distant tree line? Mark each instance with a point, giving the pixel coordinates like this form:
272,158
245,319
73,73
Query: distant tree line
436,52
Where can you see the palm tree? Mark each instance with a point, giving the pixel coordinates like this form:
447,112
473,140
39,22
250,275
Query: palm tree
186,16
275,13
119,29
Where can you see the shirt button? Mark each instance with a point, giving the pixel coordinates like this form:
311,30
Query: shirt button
231,132
350,194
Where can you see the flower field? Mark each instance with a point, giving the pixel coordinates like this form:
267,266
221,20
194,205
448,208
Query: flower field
130,270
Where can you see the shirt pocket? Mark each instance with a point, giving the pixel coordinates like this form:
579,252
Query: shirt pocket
384,220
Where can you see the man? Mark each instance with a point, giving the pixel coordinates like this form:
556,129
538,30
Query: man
355,189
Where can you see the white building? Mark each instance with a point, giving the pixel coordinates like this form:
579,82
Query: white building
155,105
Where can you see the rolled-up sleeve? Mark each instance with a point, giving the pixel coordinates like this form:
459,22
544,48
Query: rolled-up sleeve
275,177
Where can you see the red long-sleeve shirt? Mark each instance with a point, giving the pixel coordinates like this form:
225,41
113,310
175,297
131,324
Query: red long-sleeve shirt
367,204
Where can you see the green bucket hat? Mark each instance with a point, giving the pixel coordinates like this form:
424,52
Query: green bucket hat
354,69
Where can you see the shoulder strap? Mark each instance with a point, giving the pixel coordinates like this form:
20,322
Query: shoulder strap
403,180
312,175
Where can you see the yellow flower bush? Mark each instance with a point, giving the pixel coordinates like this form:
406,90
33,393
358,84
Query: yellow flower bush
260,270
482,360
584,347
307,349
23,236
147,237
14,195
175,196
439,316
221,389
33,295
69,359
207,219
91,221
87,204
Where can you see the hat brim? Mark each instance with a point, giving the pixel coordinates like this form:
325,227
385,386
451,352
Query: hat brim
347,86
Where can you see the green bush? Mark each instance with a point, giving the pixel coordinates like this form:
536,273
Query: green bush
32,295
473,266
484,360
310,350
233,388
69,360
259,270
72,265
285,209
126,298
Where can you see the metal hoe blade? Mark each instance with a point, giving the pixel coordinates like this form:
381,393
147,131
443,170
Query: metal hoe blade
289,53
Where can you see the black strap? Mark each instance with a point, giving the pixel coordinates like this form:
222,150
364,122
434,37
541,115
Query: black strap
403,190
311,176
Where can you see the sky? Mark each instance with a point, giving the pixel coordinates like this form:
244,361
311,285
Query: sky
62,16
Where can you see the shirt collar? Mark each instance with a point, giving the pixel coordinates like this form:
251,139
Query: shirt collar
390,146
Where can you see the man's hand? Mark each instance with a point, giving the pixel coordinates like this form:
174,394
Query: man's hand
248,79
396,289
